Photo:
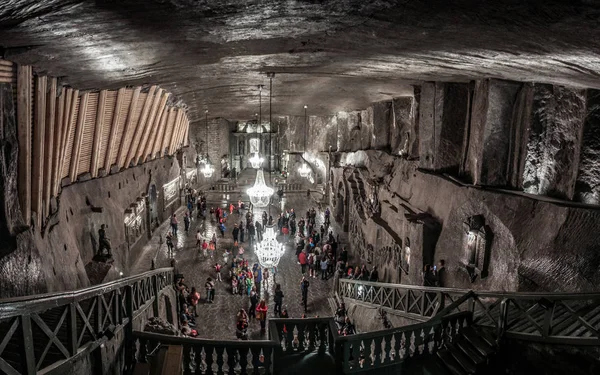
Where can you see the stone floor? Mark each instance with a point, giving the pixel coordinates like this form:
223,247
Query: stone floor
217,320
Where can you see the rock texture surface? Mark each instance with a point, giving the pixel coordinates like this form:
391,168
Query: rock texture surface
334,55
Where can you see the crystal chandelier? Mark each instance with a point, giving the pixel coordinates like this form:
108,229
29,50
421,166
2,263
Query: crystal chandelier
260,194
304,170
256,160
269,250
208,169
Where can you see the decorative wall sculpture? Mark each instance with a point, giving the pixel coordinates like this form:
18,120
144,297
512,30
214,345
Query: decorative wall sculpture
170,191
476,247
134,222
66,135
406,256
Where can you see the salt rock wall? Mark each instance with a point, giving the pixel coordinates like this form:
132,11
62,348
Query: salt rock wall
533,245
219,144
71,239
21,264
588,179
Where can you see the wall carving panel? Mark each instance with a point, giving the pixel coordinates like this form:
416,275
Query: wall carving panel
171,191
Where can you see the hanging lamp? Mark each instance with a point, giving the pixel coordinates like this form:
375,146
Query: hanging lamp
304,170
269,250
208,169
260,194
256,160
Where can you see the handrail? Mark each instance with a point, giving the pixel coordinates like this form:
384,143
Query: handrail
527,295
182,340
53,331
83,292
562,318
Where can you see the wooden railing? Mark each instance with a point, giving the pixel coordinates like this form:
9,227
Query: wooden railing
559,318
46,334
363,353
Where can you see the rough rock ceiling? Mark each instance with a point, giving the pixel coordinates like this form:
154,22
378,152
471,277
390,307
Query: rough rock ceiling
330,54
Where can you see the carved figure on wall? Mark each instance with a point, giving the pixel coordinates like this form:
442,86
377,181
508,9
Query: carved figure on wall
406,256
369,254
225,169
104,242
477,247
373,202
241,148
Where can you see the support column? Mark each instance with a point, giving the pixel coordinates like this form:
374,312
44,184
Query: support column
24,117
443,118
489,134
555,141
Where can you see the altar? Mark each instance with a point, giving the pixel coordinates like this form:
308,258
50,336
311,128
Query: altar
251,138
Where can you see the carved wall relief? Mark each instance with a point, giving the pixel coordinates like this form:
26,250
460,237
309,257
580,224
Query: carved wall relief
476,247
135,225
171,191
406,256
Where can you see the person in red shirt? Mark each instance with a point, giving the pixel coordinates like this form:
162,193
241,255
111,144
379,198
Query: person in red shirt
285,230
303,261
261,314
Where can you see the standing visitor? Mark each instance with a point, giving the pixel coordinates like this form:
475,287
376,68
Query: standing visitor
204,247
278,298
222,230
261,314
241,327
253,304
303,261
324,266
251,234
174,223
236,233
264,219
259,231
186,221
210,290
198,239
242,230
194,298
304,284
441,275
231,209
218,271
170,243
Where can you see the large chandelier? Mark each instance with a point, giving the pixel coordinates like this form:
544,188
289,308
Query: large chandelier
269,250
256,160
208,169
304,170
260,194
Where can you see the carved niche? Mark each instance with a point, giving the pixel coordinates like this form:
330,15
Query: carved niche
476,247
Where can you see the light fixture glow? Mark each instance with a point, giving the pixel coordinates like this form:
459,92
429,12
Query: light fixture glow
256,160
269,250
304,170
208,169
260,194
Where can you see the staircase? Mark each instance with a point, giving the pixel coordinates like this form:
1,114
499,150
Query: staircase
468,353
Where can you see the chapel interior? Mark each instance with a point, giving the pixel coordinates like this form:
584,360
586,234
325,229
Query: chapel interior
424,134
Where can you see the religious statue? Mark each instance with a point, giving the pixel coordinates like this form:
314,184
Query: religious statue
225,166
104,242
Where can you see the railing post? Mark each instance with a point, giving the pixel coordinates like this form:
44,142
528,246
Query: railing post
128,329
28,355
502,318
156,301
72,328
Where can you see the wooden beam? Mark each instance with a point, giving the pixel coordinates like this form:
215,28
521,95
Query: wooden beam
142,123
76,151
148,150
113,129
176,126
39,131
24,96
158,142
58,128
186,140
128,124
180,133
70,106
49,148
160,101
94,164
